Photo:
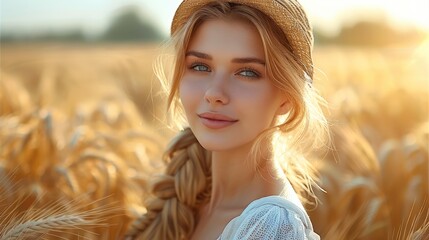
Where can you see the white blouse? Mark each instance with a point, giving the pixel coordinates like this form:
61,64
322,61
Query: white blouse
271,218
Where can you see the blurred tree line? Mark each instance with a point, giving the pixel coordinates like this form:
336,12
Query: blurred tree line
128,26
372,34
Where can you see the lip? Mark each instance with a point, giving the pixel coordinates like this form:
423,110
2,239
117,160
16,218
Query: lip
215,120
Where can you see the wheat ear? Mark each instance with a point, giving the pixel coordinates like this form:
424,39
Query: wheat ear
44,225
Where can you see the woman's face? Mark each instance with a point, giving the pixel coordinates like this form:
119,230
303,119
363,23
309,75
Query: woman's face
225,91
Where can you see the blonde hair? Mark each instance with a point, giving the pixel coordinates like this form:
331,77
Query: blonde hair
186,184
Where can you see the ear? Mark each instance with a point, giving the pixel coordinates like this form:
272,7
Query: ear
285,106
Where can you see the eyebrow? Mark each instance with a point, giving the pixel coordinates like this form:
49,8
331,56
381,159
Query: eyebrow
235,60
199,55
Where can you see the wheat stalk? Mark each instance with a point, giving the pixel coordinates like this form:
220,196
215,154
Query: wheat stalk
44,225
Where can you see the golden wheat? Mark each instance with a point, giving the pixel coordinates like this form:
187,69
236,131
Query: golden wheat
80,140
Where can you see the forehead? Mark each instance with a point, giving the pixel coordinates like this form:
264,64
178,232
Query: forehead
227,37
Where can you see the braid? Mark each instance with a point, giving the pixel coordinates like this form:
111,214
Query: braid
178,193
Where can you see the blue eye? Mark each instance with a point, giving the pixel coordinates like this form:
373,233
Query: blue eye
249,73
200,68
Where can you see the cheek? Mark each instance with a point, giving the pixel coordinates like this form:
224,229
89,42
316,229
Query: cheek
189,93
264,106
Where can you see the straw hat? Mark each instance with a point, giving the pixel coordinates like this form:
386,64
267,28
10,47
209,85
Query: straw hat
288,14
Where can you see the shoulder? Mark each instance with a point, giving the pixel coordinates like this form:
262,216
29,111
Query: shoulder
271,217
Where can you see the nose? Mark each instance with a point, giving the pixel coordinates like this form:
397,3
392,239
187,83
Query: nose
216,92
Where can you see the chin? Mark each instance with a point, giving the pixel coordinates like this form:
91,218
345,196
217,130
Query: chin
223,145
220,141
213,146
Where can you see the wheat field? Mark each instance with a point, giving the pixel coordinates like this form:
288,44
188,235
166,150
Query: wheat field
82,132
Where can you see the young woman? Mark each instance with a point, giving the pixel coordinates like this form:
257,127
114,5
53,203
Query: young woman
242,78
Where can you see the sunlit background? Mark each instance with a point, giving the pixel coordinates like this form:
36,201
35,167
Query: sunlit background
92,18
82,120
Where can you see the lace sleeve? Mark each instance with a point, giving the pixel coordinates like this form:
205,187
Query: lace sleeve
268,222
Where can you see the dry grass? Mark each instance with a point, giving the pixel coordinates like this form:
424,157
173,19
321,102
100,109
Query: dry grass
80,137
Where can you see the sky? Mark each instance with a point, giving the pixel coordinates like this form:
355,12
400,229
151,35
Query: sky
93,16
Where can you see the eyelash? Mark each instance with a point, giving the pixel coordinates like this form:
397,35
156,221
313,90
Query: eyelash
253,71
196,64
246,69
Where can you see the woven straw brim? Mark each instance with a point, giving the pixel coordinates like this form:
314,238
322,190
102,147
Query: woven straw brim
288,14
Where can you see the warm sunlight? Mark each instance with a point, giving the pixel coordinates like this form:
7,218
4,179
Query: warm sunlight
414,12
89,149
330,15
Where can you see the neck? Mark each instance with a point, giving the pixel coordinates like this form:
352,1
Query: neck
237,181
